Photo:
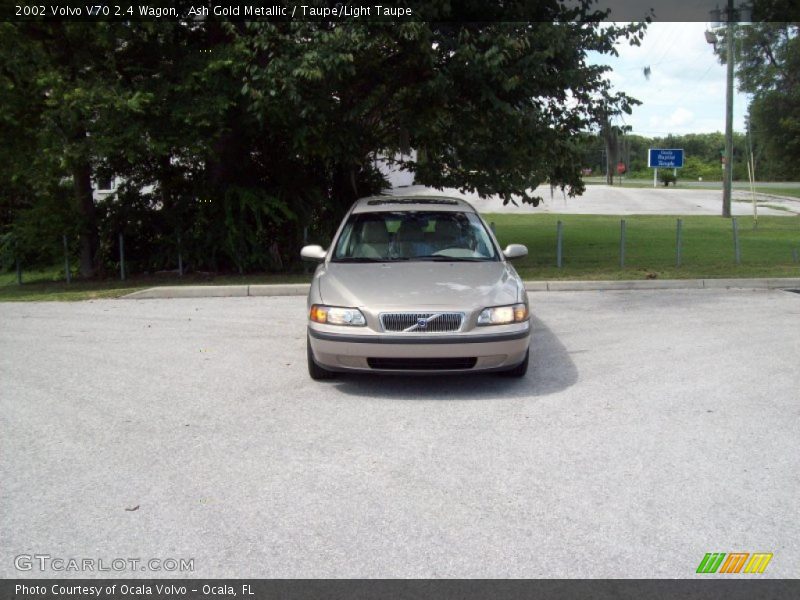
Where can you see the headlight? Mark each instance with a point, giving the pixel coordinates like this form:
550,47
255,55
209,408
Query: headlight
336,315
503,315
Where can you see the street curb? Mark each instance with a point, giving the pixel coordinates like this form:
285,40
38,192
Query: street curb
774,283
219,291
190,291
635,284
301,289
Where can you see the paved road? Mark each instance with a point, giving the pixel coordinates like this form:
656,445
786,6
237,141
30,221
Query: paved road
606,200
653,427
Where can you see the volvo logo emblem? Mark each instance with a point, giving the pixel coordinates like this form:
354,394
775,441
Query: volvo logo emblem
421,323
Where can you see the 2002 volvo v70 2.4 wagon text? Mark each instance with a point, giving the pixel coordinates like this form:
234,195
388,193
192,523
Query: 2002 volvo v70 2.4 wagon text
414,285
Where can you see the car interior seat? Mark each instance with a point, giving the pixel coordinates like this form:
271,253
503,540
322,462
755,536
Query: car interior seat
410,239
448,234
375,239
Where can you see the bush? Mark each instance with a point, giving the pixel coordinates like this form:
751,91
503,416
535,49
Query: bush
694,168
667,177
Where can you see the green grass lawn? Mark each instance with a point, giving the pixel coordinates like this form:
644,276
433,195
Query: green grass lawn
591,246
590,251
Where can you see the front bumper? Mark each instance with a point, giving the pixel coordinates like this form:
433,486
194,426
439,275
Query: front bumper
425,353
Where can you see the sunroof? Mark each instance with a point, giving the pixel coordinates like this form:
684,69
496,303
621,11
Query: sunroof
445,201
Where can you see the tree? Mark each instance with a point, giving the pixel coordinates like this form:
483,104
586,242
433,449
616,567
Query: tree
35,204
166,142
18,124
493,108
233,137
769,68
66,84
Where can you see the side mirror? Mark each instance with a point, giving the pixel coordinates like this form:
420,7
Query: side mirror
314,253
515,251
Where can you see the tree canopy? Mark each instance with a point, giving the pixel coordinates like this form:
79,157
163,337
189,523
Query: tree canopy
770,71
231,138
767,61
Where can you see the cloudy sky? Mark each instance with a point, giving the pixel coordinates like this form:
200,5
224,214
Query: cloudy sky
686,89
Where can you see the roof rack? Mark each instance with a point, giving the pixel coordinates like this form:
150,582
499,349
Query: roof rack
443,201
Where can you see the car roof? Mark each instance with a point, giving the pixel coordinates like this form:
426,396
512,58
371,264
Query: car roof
403,203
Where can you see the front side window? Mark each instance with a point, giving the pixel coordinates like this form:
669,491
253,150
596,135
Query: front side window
414,235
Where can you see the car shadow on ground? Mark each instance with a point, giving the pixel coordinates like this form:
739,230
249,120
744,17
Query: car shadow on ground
551,370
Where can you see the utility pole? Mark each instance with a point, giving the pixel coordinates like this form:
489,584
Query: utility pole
727,183
730,15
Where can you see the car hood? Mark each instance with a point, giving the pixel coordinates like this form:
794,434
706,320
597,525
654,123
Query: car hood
411,285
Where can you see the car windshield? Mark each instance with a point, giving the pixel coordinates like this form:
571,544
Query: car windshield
414,235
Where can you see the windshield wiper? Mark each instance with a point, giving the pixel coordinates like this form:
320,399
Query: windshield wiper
367,259
357,259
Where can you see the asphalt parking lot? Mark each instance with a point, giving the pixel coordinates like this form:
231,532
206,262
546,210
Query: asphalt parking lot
652,428
613,200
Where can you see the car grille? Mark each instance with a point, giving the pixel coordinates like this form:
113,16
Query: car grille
422,364
434,322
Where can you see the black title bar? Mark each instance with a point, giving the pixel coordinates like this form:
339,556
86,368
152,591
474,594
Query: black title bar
389,11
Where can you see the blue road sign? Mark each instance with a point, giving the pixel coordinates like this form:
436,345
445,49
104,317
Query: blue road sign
658,157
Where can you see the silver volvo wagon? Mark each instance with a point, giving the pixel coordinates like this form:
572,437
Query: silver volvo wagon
416,285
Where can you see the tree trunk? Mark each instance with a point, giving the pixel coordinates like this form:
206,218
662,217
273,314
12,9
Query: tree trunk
610,139
82,181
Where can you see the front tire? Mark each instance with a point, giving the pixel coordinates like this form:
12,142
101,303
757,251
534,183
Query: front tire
316,372
521,369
